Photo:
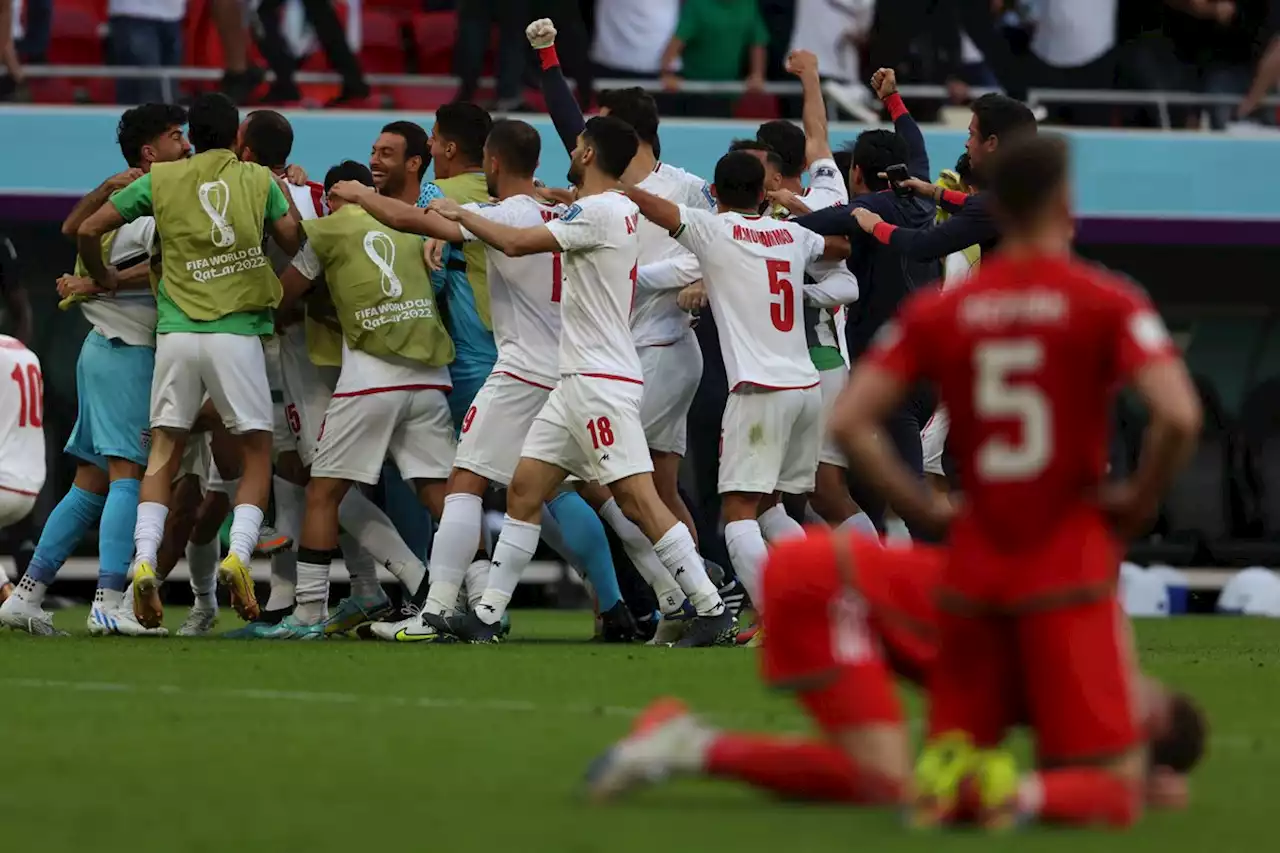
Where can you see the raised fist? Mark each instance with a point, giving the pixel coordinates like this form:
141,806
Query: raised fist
884,82
541,33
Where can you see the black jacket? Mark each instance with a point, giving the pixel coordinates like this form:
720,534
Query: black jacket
970,225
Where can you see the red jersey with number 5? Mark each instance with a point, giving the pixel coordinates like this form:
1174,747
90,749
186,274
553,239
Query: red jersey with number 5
1027,357
21,419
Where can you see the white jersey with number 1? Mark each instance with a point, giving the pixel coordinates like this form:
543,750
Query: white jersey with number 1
524,294
21,419
600,256
753,269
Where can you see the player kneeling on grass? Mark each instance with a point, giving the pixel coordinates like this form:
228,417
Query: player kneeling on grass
770,433
843,616
390,397
590,425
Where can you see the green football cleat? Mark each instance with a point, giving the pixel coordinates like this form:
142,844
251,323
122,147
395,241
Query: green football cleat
291,629
354,611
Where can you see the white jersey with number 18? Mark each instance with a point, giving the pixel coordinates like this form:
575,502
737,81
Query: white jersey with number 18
524,294
753,269
600,256
21,419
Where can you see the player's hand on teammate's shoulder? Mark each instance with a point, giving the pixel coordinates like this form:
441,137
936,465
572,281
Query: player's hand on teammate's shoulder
867,220
801,63
349,190
788,199
295,175
541,33
884,82
446,207
693,297
123,179
557,195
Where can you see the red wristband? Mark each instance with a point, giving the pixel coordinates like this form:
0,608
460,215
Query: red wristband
954,198
896,108
547,55
883,231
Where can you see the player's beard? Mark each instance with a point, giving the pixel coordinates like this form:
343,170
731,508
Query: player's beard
576,172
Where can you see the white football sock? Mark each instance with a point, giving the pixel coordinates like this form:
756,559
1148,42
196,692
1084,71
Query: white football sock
679,555
895,530
202,562
745,544
371,527
514,551
452,550
776,525
860,523
246,524
810,516
361,567
644,557
110,599
313,592
4,578
30,591
148,531
291,504
477,581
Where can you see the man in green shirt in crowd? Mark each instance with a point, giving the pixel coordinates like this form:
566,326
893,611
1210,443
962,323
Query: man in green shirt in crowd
390,397
711,37
214,302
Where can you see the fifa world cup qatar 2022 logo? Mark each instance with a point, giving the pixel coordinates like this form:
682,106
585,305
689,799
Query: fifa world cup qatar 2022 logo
381,249
215,196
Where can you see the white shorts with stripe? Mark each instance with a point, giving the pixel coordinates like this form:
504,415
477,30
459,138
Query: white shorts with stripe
769,441
832,382
410,424
495,427
671,376
933,440
590,426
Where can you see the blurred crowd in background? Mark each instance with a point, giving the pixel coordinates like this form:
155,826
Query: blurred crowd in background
1217,47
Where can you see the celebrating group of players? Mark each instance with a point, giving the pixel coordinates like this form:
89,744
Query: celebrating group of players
543,335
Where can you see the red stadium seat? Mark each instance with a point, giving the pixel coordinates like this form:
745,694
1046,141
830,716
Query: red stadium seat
433,36
403,9
382,50
425,99
756,106
77,37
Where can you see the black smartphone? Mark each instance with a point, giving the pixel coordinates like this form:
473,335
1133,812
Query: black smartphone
897,174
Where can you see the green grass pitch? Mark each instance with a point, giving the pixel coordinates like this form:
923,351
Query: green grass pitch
204,746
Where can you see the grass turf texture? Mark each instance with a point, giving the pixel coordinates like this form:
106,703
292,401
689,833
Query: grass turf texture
203,745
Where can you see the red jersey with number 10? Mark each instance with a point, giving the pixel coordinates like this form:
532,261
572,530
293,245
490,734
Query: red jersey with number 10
1027,357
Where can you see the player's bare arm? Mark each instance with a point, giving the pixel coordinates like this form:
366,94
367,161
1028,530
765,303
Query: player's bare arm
512,242
837,248
397,214
89,244
870,397
295,286
804,65
136,277
786,198
657,210
96,198
1170,438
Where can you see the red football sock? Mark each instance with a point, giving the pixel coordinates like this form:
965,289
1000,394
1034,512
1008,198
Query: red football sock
796,769
1082,796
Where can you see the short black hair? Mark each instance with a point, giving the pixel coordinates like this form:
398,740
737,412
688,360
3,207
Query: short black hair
517,144
348,170
739,180
1025,173
213,121
844,162
788,141
1181,747
877,150
1003,117
467,126
416,141
637,108
141,124
756,145
270,136
615,143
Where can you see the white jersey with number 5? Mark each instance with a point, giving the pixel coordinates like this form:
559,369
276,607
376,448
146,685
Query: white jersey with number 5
753,269
21,419
601,252
524,294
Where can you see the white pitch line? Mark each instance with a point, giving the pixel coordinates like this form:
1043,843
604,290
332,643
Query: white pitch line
1229,741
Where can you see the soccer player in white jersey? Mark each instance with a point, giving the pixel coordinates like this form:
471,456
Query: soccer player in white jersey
753,268
21,451
525,297
590,425
111,435
390,396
